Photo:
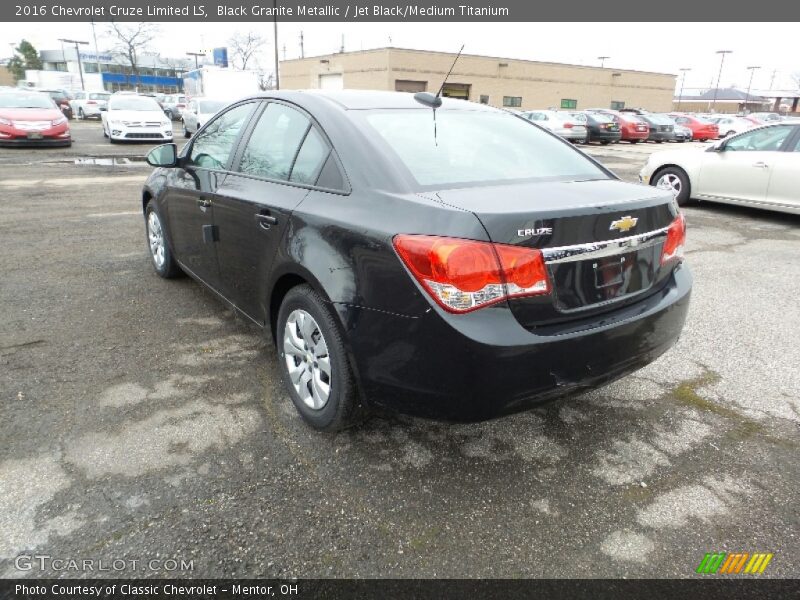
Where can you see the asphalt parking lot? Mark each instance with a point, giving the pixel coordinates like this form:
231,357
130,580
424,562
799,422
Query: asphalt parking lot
143,420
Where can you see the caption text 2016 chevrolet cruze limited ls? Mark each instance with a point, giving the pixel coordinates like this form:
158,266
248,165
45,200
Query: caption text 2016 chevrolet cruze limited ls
457,263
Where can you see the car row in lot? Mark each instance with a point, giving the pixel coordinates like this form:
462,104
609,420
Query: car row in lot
31,118
132,117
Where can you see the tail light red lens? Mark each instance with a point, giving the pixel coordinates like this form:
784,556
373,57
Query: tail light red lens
568,125
676,239
464,275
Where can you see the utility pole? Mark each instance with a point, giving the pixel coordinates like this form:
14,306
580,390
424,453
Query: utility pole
284,52
97,53
196,56
602,60
342,48
275,27
302,50
749,85
722,54
772,81
77,53
683,81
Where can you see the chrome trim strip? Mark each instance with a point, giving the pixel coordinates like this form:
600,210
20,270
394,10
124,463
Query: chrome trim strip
592,250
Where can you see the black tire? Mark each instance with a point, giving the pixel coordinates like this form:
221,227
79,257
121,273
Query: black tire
169,268
683,197
186,133
343,407
604,142
659,141
81,116
634,141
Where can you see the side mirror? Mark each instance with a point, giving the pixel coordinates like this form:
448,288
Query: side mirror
718,146
165,155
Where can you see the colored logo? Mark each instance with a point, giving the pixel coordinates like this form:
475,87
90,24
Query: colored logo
734,563
624,224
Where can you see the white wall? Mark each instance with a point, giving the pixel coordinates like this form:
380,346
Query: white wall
64,80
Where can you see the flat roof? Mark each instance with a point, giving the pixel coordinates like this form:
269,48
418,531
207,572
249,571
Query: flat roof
452,55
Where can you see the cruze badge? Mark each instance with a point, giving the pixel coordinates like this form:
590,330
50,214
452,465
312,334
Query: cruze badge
539,231
624,224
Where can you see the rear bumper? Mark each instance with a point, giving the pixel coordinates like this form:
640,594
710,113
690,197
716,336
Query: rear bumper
661,136
604,135
484,364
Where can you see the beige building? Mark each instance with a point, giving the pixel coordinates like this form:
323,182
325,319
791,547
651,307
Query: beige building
519,84
6,77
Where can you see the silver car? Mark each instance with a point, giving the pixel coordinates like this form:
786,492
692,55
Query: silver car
198,112
563,124
174,105
89,104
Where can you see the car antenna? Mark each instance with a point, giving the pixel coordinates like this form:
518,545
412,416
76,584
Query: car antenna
435,102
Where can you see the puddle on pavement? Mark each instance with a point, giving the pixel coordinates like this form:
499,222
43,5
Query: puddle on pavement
116,161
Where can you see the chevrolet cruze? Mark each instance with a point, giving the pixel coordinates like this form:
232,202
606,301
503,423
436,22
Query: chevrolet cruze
437,257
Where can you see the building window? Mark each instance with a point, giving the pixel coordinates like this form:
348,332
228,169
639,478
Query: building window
567,103
484,99
617,105
512,101
90,67
407,85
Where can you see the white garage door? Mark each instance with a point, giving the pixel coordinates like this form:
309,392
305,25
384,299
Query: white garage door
331,81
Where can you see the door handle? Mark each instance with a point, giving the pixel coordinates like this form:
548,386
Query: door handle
761,165
265,221
203,204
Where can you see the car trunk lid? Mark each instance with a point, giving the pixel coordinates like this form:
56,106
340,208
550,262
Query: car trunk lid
601,240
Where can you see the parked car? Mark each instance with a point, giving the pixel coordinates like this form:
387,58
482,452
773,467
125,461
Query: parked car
682,134
199,111
89,104
560,123
173,105
730,124
458,272
702,129
132,117
632,127
62,100
661,128
767,117
600,128
30,118
759,168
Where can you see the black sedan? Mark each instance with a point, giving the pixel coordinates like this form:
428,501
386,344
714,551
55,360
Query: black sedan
457,263
600,127
662,128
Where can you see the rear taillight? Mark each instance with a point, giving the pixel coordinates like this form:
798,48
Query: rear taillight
568,125
464,275
91,102
180,105
676,239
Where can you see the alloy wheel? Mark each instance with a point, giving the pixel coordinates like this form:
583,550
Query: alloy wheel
307,359
155,235
669,181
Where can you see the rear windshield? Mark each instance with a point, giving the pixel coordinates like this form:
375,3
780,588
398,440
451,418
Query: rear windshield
26,100
601,118
133,103
660,120
99,96
476,147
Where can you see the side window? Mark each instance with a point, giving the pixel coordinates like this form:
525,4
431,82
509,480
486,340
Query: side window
273,145
681,120
797,143
213,147
768,139
310,159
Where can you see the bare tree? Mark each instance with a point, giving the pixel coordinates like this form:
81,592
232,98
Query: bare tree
244,46
129,40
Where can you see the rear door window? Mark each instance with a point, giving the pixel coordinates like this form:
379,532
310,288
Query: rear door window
271,150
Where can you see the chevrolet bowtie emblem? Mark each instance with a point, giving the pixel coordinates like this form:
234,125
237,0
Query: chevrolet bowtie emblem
624,224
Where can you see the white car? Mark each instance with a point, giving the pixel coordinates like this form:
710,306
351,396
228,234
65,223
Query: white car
731,125
560,123
89,104
199,111
758,168
132,117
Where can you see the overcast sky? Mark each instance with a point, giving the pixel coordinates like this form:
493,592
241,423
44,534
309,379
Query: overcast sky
662,47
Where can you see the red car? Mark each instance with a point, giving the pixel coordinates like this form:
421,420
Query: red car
632,128
31,118
701,129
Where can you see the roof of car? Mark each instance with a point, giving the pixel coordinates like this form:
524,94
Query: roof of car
370,99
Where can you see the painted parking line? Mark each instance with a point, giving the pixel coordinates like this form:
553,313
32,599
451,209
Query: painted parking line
70,181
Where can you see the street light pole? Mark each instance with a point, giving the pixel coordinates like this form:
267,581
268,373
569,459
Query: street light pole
683,80
749,85
602,60
275,32
722,53
78,54
196,56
